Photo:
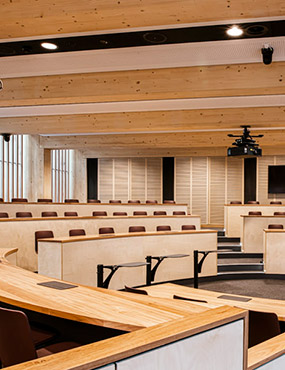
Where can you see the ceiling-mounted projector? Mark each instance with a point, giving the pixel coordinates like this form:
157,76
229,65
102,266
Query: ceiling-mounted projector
244,145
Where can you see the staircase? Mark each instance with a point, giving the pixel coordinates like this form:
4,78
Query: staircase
231,260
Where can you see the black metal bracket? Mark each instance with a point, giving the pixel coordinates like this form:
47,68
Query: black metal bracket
198,264
150,272
101,283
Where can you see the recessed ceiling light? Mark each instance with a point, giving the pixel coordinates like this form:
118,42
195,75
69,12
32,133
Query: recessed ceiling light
234,31
49,46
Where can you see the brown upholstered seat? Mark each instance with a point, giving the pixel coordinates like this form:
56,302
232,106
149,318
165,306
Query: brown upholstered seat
77,232
188,227
94,201
99,213
275,202
276,226
135,290
16,342
140,213
70,214
136,229
4,215
71,201
49,214
163,228
179,213
134,201
262,326
255,213
44,200
42,234
279,213
253,202
169,202
106,230
159,213
24,214
19,200
1,200
120,214
151,201
235,202
115,201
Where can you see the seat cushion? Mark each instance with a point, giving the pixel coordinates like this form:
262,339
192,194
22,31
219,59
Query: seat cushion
57,347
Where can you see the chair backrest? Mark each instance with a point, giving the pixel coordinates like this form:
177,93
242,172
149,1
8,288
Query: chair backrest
279,213
140,213
262,326
4,215
163,228
275,202
99,213
152,201
134,201
276,226
120,214
179,213
71,201
255,213
19,200
49,214
136,229
106,230
77,232
1,200
70,213
235,202
24,214
169,201
159,213
43,200
188,227
42,234
253,202
115,201
16,344
93,201
135,290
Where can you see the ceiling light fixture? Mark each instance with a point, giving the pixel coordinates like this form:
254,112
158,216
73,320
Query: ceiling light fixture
49,46
234,31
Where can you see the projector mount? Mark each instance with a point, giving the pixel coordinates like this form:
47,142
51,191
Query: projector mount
245,139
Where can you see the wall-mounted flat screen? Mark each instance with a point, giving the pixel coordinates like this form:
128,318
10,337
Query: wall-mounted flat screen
276,179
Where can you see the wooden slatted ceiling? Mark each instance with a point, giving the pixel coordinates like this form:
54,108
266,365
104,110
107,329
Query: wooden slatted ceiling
151,121
165,83
37,17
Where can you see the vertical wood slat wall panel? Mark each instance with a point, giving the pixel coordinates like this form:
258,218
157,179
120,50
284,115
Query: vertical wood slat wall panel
262,179
105,180
154,178
121,178
234,179
183,181
138,190
200,188
217,182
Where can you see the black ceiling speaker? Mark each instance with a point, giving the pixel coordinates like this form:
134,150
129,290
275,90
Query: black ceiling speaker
267,52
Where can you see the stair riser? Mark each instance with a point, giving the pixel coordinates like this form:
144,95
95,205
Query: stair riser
231,268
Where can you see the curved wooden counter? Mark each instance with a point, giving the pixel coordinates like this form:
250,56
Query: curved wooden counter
20,232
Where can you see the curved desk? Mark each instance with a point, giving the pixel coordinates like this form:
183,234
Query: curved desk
20,232
76,258
86,209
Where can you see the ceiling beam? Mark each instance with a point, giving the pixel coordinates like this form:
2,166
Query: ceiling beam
166,83
181,120
39,17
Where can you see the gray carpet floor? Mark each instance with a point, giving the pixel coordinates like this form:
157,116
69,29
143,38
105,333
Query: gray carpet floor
263,288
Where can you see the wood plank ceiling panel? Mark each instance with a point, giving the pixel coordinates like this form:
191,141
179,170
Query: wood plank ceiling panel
39,17
165,83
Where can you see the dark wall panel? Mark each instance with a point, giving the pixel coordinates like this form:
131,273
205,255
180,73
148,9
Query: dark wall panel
249,179
92,178
168,178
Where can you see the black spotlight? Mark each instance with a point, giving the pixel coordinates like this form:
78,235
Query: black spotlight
6,137
267,52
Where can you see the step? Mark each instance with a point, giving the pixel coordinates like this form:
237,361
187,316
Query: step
242,260
228,255
224,239
234,248
221,233
240,274
242,267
